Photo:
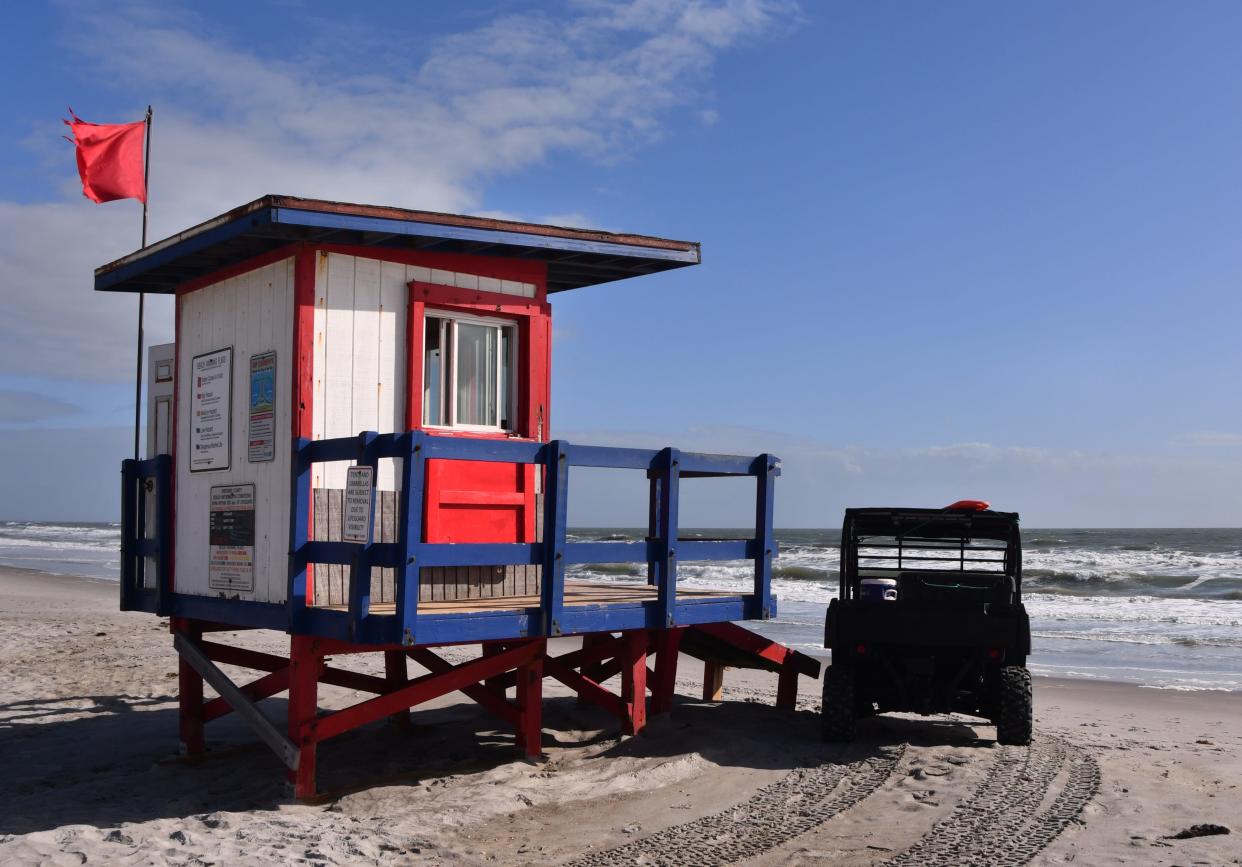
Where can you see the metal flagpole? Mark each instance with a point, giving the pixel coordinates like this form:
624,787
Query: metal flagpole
146,182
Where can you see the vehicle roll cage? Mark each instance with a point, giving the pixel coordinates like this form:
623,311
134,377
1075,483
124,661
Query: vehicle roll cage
938,536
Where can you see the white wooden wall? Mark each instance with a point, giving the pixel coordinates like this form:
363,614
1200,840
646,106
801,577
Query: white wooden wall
253,313
359,358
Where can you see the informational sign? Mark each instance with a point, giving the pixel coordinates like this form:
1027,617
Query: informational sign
231,538
211,410
359,485
262,437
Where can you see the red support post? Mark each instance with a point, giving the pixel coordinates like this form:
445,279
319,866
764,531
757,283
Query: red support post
396,675
190,694
787,686
305,660
530,703
664,680
495,684
634,680
590,641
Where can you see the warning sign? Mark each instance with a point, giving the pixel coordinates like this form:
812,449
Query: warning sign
359,482
262,429
211,410
231,538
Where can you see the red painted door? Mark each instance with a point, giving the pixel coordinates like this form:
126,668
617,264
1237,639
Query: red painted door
479,501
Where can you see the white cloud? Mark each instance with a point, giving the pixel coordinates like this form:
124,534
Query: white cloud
1209,438
232,124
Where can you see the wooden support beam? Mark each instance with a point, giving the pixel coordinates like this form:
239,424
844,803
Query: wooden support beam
284,747
265,687
496,684
713,681
589,690
493,701
602,671
423,689
588,642
634,681
335,647
396,676
189,692
530,704
240,656
353,680
664,678
600,646
227,655
304,664
787,687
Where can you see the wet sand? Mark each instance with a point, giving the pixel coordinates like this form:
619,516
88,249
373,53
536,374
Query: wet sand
90,771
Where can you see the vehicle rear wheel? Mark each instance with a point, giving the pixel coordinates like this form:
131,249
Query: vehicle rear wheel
838,713
1014,719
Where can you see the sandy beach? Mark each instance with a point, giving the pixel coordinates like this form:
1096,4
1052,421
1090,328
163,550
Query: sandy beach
92,774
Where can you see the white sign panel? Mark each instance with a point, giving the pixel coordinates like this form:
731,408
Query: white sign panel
231,542
359,485
211,410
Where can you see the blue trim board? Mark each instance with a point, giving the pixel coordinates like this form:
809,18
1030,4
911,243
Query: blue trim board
389,226
243,225
459,628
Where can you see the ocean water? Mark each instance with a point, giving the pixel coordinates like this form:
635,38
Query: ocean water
65,548
1161,608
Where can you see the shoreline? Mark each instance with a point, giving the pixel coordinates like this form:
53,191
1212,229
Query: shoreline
88,727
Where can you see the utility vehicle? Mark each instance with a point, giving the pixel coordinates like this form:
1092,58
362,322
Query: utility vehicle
929,619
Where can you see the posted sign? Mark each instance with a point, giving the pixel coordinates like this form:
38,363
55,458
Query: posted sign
359,486
211,410
262,429
231,543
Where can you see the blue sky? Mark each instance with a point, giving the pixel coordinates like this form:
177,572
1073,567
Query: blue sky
962,249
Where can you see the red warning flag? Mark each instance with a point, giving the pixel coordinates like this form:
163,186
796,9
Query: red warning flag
109,159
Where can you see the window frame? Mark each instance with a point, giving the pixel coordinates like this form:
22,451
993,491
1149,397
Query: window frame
448,373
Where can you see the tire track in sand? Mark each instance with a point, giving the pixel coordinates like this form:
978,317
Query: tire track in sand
1002,822
1029,796
801,800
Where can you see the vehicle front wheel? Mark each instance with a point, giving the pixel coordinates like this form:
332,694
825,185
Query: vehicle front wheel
838,714
1015,715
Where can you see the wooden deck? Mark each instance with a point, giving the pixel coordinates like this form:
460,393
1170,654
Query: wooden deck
576,593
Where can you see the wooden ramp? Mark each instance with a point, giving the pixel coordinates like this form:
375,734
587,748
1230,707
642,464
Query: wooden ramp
727,645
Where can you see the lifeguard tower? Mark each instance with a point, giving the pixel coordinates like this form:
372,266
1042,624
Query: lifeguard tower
348,442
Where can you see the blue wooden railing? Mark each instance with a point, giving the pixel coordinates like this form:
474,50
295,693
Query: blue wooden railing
662,550
146,487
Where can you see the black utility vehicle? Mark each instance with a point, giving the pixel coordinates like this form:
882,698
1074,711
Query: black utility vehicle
929,619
